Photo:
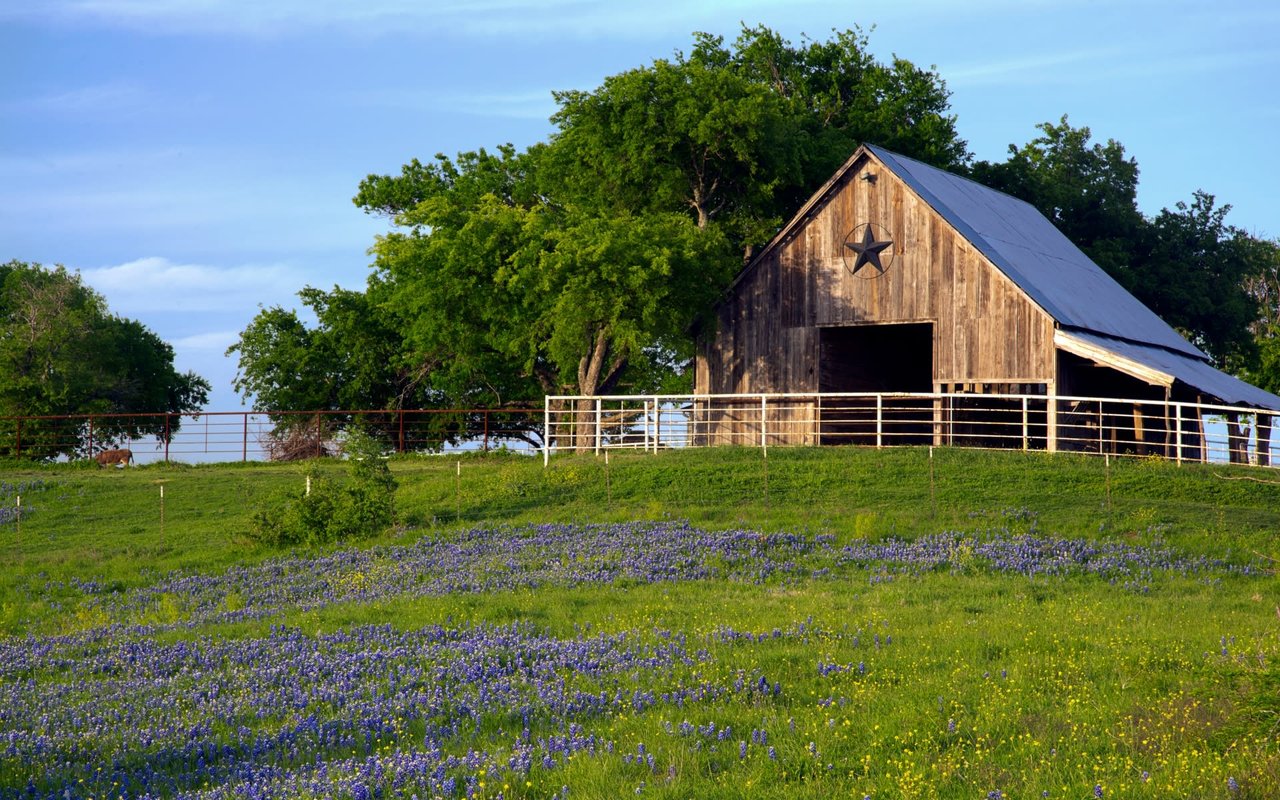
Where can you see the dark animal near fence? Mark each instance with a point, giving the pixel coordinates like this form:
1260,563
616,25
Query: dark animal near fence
123,457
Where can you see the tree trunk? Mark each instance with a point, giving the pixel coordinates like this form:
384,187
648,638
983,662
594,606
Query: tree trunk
1237,439
595,372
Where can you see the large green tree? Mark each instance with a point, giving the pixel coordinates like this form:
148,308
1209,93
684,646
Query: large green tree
1187,264
1087,189
740,134
63,353
507,295
1197,271
582,264
348,360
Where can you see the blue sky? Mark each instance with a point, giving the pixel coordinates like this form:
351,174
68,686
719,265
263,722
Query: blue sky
197,158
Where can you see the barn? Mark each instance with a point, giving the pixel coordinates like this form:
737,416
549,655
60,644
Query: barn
898,277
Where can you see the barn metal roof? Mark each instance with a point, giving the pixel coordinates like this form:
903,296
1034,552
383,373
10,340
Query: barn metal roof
1088,304
1036,256
1096,316
1157,365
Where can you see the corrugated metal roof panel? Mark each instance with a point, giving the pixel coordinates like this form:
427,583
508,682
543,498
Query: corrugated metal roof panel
1191,371
1036,256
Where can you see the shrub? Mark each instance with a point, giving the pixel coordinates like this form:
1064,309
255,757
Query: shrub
361,506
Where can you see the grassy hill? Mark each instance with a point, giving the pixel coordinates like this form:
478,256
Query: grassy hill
690,624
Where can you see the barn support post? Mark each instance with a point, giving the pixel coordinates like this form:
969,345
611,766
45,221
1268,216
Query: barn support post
1139,437
1262,432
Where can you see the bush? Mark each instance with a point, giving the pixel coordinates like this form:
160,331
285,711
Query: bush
360,507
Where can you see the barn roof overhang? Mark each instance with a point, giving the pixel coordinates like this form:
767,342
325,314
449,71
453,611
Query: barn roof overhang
1160,367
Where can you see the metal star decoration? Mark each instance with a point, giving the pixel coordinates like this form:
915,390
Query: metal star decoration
868,250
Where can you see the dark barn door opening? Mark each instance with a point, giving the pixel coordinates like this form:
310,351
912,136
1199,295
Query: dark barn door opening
876,358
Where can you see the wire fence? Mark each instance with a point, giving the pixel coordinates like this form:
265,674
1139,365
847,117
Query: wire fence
1180,431
265,435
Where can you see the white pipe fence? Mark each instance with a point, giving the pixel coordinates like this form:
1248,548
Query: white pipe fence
1179,431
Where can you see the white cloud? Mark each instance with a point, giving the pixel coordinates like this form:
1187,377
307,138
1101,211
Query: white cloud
215,342
483,18
532,104
254,17
157,285
1026,69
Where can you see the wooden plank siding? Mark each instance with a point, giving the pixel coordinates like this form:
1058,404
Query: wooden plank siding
985,329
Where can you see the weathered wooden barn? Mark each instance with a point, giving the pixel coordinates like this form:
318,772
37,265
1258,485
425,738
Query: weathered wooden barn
900,277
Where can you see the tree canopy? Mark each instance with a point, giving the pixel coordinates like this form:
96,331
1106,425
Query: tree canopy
62,352
1187,264
582,264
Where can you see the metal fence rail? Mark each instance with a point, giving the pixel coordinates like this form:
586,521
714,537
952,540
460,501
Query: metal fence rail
252,435
1178,431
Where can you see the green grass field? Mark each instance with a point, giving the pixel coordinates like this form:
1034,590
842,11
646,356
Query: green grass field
840,622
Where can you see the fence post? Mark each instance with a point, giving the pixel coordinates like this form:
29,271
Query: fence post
763,417
1024,423
1177,428
486,430
657,425
166,438
646,426
879,419
244,443
1051,418
91,435
1262,438
401,429
546,429
19,443
599,421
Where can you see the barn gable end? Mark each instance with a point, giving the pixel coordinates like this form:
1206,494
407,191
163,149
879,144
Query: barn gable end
800,290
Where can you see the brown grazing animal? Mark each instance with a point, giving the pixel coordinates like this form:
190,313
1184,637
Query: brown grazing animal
123,456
